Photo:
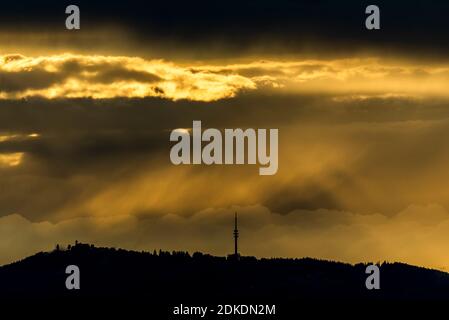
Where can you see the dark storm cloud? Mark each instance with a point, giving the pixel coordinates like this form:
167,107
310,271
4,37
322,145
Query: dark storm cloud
87,146
311,197
36,79
248,110
412,27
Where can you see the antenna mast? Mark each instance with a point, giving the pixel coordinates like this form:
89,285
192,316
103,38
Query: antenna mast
236,236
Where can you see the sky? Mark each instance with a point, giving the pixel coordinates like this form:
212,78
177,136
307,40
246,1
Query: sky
86,116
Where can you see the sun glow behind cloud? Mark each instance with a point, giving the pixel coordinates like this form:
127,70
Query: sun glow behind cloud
12,137
14,159
10,159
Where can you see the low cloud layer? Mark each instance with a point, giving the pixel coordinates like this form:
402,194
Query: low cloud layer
417,234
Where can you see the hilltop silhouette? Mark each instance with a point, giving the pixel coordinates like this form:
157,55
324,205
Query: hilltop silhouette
178,276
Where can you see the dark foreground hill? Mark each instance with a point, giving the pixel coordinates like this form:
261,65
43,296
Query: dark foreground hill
169,278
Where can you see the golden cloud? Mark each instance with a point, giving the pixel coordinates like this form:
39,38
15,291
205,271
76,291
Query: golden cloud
17,136
10,159
105,77
362,76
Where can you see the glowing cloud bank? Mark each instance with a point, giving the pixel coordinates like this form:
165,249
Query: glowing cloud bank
107,77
